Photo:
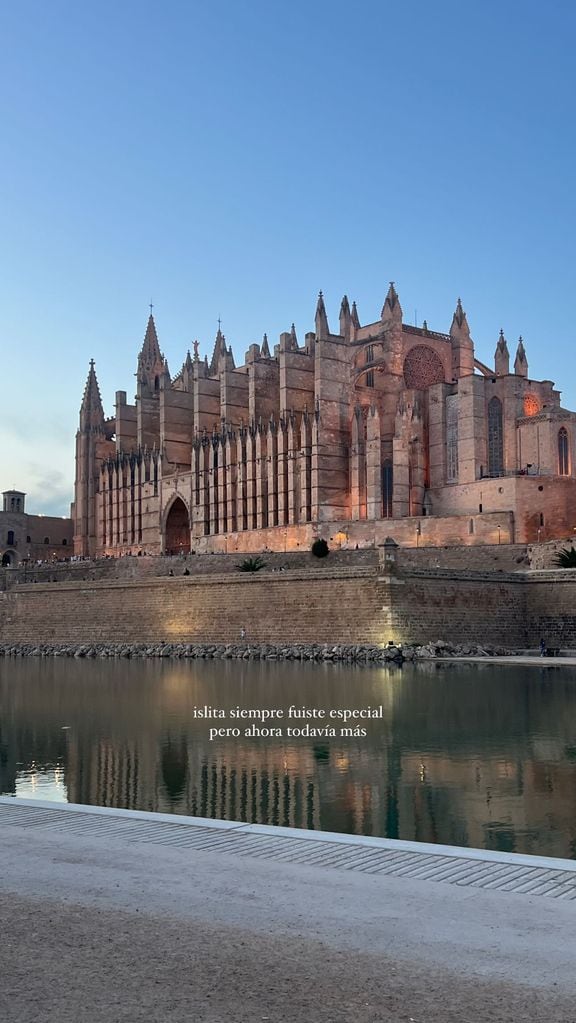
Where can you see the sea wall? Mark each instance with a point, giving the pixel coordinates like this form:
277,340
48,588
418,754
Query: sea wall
338,605
551,608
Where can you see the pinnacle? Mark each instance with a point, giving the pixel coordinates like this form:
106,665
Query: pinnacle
322,328
91,408
391,304
150,353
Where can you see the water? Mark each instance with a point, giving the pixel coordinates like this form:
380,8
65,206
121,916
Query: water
472,755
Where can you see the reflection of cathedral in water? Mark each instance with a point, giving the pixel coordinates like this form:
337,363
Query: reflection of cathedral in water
474,762
258,785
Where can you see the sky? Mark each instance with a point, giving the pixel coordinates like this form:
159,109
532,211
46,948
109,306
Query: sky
230,159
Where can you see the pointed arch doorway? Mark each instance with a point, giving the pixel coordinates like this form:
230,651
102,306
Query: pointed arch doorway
177,535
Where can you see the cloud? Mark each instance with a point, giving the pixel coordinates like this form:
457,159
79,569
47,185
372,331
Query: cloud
49,493
30,463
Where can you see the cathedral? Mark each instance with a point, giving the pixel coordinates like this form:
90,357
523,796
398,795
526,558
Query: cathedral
379,430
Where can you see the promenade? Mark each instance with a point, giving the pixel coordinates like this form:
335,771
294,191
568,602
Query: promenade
119,916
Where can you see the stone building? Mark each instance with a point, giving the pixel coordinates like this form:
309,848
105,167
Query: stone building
379,429
26,537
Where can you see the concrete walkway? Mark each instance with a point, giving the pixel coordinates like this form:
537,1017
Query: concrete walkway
118,916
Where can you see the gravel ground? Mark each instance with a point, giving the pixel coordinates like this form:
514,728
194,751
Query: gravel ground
95,931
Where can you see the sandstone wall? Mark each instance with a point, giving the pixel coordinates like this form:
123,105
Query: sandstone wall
458,606
551,608
337,605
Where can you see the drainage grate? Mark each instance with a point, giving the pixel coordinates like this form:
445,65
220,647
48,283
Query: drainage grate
237,840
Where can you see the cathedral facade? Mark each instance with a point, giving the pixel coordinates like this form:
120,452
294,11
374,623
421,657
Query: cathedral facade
382,429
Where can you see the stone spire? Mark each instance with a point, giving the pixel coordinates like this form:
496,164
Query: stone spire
391,310
354,317
345,318
294,337
150,360
220,349
462,344
521,362
91,411
502,357
321,320
265,349
150,353
165,377
459,327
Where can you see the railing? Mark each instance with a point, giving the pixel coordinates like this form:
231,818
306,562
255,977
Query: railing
528,471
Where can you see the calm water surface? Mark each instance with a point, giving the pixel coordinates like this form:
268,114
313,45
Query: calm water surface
482,756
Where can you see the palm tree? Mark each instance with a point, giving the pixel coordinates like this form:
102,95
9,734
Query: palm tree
566,558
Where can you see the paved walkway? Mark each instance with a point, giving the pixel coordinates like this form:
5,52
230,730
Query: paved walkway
536,660
118,916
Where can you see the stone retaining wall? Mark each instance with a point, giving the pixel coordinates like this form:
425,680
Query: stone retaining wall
325,605
338,606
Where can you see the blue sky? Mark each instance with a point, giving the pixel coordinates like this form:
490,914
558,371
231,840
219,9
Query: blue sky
230,159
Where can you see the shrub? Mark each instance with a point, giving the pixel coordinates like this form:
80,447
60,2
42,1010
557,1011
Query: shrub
566,558
320,549
251,565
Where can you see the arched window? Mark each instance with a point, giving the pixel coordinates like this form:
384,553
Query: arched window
10,537
452,438
563,457
495,438
28,540
387,489
46,539
64,542
369,358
